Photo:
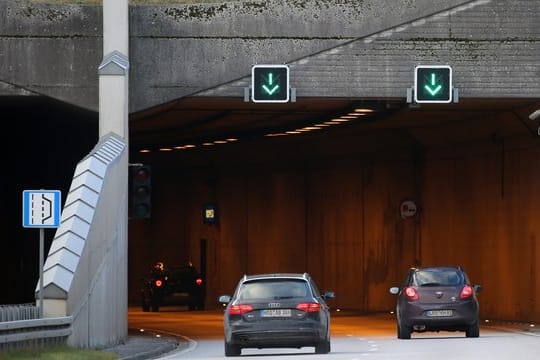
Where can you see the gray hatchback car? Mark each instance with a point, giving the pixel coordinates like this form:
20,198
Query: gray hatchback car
434,299
276,311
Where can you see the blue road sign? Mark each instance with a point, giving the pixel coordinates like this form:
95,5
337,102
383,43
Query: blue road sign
41,208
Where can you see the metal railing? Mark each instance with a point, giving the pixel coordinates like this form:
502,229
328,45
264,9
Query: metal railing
21,327
17,312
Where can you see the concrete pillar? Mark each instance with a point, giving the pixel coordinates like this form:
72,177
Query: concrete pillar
113,117
114,81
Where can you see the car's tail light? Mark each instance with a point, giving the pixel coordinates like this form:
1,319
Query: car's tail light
158,283
466,292
309,307
198,281
411,293
239,309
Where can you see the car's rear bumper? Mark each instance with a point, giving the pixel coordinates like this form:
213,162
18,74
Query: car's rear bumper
464,315
287,335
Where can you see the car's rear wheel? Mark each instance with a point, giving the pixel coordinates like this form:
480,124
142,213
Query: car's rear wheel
403,332
323,347
232,350
154,306
145,306
154,303
473,331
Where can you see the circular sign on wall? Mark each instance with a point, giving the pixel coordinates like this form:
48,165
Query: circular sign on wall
408,209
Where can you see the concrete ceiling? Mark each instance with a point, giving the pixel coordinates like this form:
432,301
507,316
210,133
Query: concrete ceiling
198,120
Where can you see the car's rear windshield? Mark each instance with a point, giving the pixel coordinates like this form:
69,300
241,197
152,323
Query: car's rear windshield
273,289
437,277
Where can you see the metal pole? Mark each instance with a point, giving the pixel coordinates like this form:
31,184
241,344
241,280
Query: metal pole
41,255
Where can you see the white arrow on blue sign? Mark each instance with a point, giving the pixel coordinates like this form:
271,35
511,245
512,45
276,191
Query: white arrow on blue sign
41,208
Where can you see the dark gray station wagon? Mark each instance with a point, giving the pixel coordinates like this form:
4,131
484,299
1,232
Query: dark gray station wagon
276,311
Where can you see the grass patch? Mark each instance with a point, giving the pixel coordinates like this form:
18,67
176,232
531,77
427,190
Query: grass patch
58,353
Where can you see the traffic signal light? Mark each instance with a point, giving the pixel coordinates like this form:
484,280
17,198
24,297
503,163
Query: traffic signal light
433,84
141,191
270,83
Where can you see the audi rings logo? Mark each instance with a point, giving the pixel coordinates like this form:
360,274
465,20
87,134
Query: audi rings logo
274,305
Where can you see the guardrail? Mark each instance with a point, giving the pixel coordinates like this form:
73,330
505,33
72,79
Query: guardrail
20,327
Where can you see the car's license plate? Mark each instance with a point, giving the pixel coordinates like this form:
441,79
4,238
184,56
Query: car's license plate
276,313
438,313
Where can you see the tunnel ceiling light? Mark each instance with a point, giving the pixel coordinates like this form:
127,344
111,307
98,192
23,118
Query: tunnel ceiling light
350,115
363,110
535,115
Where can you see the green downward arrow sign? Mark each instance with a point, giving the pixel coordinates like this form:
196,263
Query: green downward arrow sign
432,87
269,87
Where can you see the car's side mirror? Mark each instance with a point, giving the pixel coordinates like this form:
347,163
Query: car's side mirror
394,290
329,295
224,299
477,288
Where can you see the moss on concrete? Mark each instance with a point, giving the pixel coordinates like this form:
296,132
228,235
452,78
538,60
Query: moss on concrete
92,2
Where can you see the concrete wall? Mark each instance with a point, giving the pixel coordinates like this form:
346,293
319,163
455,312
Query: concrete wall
179,49
338,218
85,273
183,49
51,50
492,47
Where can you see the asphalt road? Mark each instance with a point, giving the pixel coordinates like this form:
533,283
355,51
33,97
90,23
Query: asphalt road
354,336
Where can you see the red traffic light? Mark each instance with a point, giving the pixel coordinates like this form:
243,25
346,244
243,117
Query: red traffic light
141,174
141,192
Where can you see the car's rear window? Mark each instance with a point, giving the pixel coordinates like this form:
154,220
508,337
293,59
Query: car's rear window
272,289
437,278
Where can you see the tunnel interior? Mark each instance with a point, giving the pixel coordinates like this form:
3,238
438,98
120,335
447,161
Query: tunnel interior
44,142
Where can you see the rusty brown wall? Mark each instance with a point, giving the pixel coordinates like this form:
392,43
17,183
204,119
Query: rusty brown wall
340,221
481,211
